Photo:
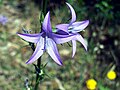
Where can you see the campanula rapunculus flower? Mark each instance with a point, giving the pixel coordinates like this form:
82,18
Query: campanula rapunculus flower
3,19
73,28
46,41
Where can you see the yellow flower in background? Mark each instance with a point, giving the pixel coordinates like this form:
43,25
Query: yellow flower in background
111,75
91,84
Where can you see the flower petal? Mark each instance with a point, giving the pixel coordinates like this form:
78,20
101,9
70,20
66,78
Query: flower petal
60,39
61,32
46,23
72,12
78,26
81,39
38,51
74,47
52,51
62,28
30,37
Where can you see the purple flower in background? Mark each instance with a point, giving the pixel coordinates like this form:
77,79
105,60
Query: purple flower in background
3,19
46,41
73,28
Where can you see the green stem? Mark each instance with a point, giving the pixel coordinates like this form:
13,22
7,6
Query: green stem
43,11
45,7
37,75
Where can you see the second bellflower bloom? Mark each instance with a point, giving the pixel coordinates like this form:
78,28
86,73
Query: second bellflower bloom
46,41
73,28
3,19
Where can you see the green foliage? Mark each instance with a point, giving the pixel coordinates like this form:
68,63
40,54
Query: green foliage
104,8
102,87
1,1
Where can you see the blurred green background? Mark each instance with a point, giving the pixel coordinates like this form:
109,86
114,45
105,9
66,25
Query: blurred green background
102,35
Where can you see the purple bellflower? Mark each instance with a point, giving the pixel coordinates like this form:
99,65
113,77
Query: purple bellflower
46,41
3,19
73,28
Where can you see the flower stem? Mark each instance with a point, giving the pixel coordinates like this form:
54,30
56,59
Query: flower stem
37,74
43,11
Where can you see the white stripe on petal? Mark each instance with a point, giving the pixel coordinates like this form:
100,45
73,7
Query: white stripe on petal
52,51
74,47
38,51
81,39
30,37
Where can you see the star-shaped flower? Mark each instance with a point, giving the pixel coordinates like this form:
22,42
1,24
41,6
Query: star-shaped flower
46,41
3,19
73,28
